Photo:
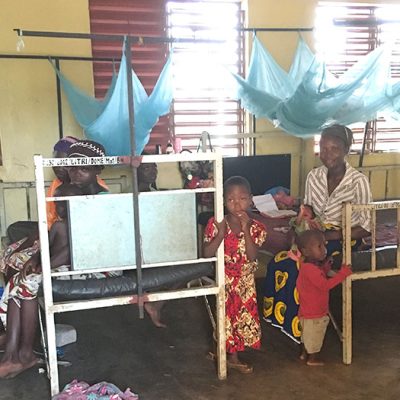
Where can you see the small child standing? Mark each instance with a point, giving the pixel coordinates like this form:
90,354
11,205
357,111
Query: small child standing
313,284
242,237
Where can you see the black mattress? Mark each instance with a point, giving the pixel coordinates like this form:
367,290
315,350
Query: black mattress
361,260
152,279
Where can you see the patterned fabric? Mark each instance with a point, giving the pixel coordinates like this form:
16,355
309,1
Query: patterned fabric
80,390
280,293
354,187
281,298
18,288
242,321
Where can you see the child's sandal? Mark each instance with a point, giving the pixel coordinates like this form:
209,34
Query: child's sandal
241,367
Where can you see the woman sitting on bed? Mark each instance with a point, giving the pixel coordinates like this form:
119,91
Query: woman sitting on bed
327,187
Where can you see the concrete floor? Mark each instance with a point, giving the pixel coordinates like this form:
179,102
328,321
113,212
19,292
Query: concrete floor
116,346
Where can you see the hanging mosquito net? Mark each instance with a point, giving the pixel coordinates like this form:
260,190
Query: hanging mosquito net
309,98
107,121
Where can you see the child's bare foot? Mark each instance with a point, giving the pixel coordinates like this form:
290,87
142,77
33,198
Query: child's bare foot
10,369
303,353
154,313
314,361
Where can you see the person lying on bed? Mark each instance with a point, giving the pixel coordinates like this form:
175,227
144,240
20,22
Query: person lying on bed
327,187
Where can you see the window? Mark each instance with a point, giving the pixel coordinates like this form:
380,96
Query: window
346,32
201,101
137,18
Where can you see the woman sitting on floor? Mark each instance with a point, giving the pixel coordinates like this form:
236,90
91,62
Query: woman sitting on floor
21,264
327,187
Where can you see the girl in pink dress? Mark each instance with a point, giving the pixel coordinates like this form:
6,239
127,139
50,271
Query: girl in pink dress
242,238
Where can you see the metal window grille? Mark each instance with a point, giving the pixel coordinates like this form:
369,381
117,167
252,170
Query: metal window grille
346,32
197,107
201,101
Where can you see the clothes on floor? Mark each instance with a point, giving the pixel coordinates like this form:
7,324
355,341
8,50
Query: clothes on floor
242,321
80,390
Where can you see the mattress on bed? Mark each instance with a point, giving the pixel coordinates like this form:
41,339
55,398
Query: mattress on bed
152,279
361,260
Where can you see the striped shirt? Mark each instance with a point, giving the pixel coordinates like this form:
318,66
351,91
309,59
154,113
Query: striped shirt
354,187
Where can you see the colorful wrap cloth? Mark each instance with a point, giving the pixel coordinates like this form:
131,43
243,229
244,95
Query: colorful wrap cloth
79,390
280,295
18,287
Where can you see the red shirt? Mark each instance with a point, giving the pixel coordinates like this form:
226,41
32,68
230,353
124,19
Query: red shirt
313,285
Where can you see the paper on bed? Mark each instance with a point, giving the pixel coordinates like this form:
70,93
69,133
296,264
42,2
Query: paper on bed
267,206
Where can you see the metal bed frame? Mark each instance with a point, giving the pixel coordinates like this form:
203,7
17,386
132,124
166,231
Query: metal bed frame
348,208
215,287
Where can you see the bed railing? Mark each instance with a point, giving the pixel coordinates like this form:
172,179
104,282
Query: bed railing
18,199
372,272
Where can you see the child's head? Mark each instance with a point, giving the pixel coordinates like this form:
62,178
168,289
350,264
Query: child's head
307,211
312,245
147,173
66,189
83,175
60,150
237,194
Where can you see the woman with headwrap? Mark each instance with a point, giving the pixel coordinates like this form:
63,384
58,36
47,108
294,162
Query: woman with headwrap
60,150
21,262
327,187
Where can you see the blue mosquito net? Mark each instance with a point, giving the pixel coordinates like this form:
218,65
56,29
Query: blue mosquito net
107,121
309,98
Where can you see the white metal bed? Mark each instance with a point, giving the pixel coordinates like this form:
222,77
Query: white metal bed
216,287
372,272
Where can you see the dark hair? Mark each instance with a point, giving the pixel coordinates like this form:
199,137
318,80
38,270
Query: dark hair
304,237
342,132
236,181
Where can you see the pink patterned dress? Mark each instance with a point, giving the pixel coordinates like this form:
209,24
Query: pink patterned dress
242,321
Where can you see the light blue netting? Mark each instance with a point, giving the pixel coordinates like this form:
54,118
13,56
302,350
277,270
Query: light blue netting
309,98
107,121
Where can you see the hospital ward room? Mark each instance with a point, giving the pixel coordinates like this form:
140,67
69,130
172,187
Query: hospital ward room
199,199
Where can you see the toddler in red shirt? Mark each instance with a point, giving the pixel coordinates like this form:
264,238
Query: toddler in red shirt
313,284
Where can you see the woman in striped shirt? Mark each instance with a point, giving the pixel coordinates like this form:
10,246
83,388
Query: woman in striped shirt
327,187
336,182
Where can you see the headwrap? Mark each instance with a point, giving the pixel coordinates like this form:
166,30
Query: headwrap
64,144
86,148
340,131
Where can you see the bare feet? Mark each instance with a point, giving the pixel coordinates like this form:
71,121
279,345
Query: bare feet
154,312
10,369
303,353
